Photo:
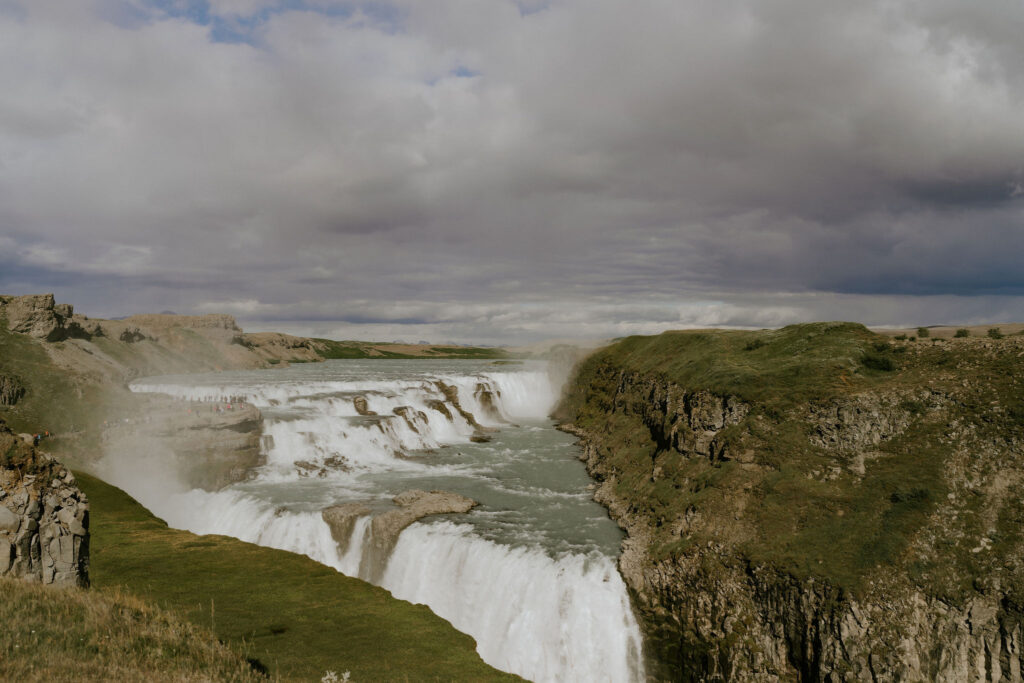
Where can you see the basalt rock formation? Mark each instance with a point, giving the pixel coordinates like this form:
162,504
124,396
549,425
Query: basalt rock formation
385,527
44,517
814,503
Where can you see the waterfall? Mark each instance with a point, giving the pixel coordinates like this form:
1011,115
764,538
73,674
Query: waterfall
548,611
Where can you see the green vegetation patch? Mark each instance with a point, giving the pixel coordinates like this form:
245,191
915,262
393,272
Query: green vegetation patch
295,616
776,367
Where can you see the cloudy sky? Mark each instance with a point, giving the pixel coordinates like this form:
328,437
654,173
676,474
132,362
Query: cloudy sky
512,170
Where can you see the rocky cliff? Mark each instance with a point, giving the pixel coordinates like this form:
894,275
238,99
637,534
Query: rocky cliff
44,517
814,503
205,445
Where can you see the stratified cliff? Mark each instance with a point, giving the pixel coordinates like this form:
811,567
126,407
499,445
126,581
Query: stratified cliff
814,503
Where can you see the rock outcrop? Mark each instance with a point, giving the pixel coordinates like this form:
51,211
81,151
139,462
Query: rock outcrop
385,527
44,517
341,519
11,390
362,406
38,316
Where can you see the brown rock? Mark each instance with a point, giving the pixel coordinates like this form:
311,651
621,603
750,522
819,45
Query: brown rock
341,519
361,406
385,528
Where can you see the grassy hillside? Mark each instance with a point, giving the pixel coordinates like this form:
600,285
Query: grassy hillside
859,454
297,617
70,635
54,399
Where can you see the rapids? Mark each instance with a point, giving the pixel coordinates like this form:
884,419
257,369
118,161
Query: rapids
530,573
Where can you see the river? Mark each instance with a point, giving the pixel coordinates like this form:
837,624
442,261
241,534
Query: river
530,572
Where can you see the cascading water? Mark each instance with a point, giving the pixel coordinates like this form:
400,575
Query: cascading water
530,573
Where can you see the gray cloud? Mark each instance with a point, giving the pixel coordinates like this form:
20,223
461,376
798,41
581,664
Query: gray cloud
512,170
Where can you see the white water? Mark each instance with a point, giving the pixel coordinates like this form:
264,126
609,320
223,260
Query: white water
530,574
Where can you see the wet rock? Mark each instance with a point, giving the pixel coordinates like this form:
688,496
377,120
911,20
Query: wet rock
342,519
441,407
334,463
362,406
488,400
412,506
451,395
410,415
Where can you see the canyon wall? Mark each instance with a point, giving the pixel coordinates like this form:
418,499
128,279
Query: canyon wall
796,513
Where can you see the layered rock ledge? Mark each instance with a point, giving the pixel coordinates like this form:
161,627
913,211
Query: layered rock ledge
44,517
385,527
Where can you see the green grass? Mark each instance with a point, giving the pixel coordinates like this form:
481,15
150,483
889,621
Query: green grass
806,512
54,400
297,617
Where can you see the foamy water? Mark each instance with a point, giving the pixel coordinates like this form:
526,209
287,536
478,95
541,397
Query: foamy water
530,573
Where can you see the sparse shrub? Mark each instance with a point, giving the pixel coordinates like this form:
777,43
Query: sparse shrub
877,361
923,332
914,407
913,339
881,347
754,344
901,337
995,333
962,332
914,496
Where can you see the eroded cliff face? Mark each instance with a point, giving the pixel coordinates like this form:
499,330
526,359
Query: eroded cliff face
868,534
44,517
205,445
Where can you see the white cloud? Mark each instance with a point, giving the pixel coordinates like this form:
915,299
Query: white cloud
483,161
